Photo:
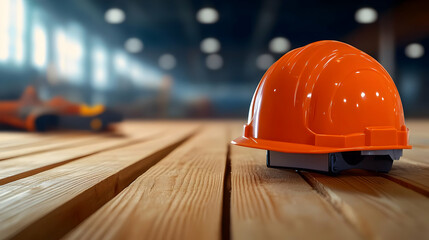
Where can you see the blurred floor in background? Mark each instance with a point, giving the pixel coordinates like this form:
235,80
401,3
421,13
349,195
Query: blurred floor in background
203,59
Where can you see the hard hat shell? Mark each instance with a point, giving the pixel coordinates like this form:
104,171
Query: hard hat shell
325,97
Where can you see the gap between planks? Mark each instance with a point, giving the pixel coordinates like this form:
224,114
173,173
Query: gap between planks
48,145
272,203
315,188
49,204
354,192
339,192
23,139
410,174
181,197
226,202
377,207
25,166
25,144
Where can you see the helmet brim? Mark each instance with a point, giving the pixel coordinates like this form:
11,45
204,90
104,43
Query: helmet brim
304,148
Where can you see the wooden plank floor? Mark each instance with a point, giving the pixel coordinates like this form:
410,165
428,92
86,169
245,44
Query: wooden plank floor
183,180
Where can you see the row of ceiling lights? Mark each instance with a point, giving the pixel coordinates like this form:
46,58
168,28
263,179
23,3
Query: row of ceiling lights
212,46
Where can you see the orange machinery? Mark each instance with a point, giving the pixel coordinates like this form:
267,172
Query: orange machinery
31,114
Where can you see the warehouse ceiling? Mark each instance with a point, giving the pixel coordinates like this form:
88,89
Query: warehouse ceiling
244,30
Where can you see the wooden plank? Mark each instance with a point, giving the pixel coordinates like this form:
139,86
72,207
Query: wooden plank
5,136
412,170
378,207
8,137
43,146
410,174
20,167
419,141
131,128
49,204
19,139
419,132
269,203
178,198
418,126
417,154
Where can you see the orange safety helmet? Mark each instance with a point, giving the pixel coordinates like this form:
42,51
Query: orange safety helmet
326,97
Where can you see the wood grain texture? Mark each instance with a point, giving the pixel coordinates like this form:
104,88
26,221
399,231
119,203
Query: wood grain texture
377,207
268,203
10,140
412,170
178,198
47,145
53,182
20,167
15,140
411,174
48,204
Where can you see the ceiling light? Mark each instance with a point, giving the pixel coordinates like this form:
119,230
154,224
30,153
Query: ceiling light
366,15
210,45
114,16
214,61
279,45
167,61
264,61
414,50
134,45
207,15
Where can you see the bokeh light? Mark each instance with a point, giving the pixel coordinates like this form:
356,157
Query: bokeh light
210,45
207,15
414,50
366,15
114,16
167,61
264,61
134,45
279,45
214,61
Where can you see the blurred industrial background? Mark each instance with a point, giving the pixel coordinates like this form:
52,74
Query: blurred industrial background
188,58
